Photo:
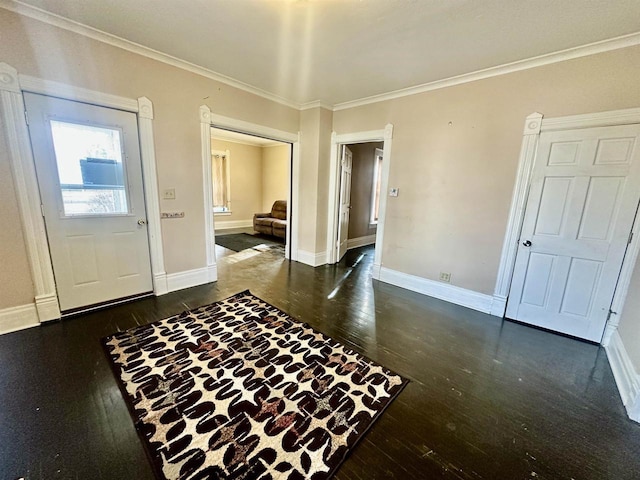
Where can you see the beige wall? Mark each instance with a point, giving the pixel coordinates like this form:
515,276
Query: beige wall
37,49
455,154
364,161
315,142
275,174
245,179
629,327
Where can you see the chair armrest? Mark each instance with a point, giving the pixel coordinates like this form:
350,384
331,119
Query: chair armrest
261,215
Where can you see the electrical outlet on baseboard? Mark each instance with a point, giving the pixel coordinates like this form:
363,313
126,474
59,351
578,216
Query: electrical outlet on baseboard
445,277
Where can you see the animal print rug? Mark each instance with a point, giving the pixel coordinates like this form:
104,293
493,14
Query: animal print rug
240,390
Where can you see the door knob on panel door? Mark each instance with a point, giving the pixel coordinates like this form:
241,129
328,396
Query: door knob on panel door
142,222
526,243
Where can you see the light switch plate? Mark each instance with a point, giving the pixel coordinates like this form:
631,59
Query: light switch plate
393,192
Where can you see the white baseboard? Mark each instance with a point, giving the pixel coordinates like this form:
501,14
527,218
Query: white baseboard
498,306
361,241
160,286
627,379
191,278
47,307
312,259
443,291
226,224
18,318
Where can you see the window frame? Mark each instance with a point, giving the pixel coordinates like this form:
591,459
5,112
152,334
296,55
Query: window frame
226,154
376,192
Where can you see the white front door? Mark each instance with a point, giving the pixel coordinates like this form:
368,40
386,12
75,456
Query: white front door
90,177
584,194
345,200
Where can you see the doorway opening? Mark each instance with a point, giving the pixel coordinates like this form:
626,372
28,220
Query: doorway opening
251,191
359,197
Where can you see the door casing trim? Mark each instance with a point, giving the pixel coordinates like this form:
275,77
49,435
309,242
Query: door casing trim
12,85
533,126
209,120
337,140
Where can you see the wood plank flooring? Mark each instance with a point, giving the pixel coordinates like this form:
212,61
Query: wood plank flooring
487,400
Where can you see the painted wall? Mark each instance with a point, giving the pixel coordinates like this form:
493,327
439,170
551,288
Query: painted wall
364,161
629,327
455,153
245,179
275,174
44,51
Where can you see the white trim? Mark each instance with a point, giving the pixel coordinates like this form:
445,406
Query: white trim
191,278
18,318
207,184
28,193
115,41
78,94
291,245
516,213
379,154
443,291
361,241
498,306
312,259
316,104
534,124
627,379
151,194
616,43
385,136
226,225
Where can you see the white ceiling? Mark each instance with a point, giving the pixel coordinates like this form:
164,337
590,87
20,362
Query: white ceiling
341,50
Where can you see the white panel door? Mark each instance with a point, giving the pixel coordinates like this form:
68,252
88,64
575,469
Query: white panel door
90,178
582,203
345,200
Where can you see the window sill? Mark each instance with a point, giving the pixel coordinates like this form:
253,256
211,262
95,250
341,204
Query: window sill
221,214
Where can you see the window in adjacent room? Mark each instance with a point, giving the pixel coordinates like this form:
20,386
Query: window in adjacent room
221,181
377,180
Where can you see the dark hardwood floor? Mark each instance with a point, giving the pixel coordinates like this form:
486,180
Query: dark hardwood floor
487,400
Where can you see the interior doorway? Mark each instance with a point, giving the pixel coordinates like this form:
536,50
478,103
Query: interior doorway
251,191
359,199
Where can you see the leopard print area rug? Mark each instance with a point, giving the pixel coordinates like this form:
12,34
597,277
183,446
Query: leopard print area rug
240,390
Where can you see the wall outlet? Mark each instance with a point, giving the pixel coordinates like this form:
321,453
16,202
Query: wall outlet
393,192
445,277
169,194
172,215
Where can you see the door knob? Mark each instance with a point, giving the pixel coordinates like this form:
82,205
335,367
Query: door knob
526,243
142,222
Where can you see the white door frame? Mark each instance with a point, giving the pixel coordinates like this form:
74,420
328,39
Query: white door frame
12,85
534,125
337,141
209,120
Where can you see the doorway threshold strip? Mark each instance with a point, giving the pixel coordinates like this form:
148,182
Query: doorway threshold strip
239,389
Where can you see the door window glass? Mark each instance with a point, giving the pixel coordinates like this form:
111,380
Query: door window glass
90,169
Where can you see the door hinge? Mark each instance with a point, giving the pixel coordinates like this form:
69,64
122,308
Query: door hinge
42,209
630,238
26,117
611,312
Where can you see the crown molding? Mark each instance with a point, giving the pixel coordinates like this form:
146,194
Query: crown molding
316,104
602,46
113,40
